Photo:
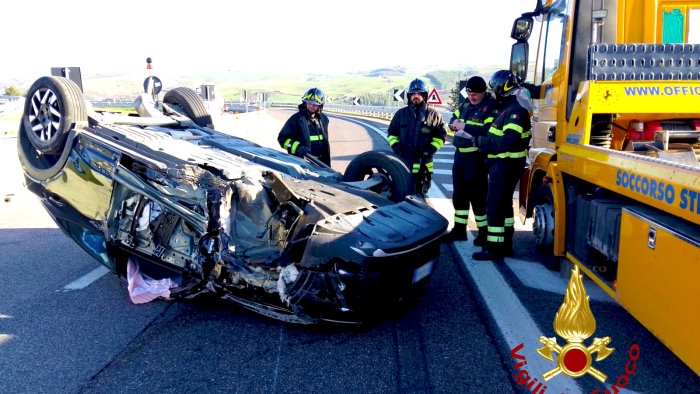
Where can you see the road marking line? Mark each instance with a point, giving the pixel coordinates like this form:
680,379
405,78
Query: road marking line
512,318
535,275
85,280
442,161
367,125
442,172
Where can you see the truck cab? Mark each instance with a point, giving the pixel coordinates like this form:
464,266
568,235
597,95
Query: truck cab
613,180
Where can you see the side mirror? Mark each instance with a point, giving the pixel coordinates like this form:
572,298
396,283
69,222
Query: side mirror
545,6
518,59
522,27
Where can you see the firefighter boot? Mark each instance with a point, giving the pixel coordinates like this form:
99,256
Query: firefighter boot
488,253
458,233
480,239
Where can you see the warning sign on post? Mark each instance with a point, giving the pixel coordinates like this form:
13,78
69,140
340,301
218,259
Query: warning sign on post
434,97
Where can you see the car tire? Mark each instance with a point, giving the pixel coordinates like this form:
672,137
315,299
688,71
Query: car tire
399,182
191,104
53,107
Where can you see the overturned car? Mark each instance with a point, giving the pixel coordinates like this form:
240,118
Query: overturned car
283,236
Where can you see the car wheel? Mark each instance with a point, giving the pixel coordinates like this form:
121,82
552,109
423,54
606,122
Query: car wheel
543,227
397,181
53,107
191,104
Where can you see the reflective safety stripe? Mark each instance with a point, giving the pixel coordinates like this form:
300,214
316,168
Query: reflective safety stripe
509,222
295,145
471,122
480,220
496,230
461,216
287,143
437,142
513,126
316,138
467,150
392,140
456,113
526,134
496,131
416,168
314,97
493,238
507,155
429,166
488,120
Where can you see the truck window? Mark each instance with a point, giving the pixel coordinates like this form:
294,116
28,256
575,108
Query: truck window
553,36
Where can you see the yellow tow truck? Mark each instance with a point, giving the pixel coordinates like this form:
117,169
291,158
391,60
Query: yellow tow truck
613,180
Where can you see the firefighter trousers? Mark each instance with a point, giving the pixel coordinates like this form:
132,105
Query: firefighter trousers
470,181
504,175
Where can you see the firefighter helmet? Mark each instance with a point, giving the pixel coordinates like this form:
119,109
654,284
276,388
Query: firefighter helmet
418,86
314,96
503,83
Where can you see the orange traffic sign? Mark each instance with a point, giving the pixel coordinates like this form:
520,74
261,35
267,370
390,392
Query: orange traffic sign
434,97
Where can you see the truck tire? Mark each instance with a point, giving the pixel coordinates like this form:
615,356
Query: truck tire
543,227
191,104
398,182
53,107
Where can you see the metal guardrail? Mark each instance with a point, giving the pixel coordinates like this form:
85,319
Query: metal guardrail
378,112
362,110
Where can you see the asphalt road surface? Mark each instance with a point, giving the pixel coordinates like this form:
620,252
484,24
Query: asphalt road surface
67,327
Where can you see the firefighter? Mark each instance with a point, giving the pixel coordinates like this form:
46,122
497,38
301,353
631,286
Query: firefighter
505,146
415,133
469,170
306,132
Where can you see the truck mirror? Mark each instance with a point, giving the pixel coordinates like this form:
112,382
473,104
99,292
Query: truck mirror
544,6
518,59
522,27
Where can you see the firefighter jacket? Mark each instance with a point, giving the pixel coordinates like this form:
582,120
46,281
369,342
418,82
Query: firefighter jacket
478,118
509,134
415,134
304,129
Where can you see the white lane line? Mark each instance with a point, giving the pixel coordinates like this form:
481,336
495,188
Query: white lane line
383,134
85,280
442,161
513,320
442,172
448,187
535,275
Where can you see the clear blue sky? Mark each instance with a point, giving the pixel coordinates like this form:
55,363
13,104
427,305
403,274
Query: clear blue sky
253,35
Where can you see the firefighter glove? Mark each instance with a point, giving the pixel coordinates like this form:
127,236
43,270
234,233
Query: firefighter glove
303,151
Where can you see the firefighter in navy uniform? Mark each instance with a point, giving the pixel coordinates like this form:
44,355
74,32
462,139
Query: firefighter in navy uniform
415,133
469,170
306,132
505,146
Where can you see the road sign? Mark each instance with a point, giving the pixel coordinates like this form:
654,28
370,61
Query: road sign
356,100
157,85
463,92
399,95
434,97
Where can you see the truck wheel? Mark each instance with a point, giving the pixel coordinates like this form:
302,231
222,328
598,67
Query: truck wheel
53,107
543,227
191,104
397,182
